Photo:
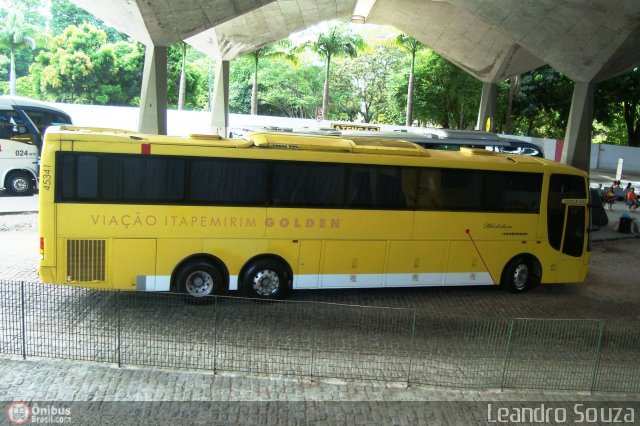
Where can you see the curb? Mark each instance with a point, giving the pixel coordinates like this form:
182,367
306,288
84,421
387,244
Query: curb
21,212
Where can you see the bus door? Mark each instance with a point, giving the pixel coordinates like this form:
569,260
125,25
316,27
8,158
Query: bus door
574,241
567,219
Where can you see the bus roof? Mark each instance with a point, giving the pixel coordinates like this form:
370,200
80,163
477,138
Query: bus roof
313,147
13,101
424,137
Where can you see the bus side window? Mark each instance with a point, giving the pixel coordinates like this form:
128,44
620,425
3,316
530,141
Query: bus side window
6,128
13,128
306,184
429,194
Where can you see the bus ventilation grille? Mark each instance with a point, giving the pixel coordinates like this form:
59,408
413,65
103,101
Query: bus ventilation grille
85,260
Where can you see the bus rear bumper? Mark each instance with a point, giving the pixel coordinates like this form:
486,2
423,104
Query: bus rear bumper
46,274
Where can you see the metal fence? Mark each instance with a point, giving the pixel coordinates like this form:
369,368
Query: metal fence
317,340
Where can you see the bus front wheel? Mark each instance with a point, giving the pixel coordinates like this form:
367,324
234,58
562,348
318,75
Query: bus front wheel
518,275
199,279
266,279
19,183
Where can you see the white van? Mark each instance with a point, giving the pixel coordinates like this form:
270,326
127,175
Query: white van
23,122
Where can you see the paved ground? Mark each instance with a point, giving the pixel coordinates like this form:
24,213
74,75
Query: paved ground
228,399
610,292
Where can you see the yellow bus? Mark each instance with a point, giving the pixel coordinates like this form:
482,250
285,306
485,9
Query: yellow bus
276,212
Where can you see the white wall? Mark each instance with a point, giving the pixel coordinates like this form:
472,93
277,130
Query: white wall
603,157
178,122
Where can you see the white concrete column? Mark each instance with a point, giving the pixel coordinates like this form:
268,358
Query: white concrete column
220,104
153,99
487,107
577,141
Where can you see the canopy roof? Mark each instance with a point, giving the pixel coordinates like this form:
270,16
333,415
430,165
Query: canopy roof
587,40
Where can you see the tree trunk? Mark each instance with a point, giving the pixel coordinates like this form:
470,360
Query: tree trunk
12,74
325,93
409,117
210,86
633,126
254,89
531,123
514,82
183,78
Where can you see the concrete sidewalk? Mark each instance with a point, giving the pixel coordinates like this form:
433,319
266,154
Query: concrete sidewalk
606,178
10,204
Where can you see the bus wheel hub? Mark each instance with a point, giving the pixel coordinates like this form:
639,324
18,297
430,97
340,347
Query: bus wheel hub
266,283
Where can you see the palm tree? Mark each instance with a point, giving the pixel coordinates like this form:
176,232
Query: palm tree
182,88
412,46
17,34
337,42
275,50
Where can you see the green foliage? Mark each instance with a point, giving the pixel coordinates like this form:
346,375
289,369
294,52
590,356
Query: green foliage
64,13
361,84
240,74
445,95
412,47
408,44
288,91
18,33
617,106
79,66
541,106
196,78
339,41
280,49
4,68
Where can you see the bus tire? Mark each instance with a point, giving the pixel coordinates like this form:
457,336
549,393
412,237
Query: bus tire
266,278
19,183
518,275
199,280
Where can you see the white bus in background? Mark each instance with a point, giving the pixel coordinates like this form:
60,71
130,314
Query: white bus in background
429,138
23,122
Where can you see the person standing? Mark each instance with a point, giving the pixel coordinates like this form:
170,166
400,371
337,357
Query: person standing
632,199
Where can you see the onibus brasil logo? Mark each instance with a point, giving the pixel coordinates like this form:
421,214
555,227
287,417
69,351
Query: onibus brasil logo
18,413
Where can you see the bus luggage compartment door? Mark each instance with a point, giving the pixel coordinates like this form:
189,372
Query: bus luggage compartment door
133,265
353,264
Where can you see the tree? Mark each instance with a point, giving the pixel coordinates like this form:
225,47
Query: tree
337,42
78,66
290,91
514,86
187,77
240,76
17,34
411,46
444,93
618,101
363,83
542,103
272,51
183,76
64,13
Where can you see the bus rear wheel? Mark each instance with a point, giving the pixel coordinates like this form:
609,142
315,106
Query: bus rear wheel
266,279
518,275
19,183
199,279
